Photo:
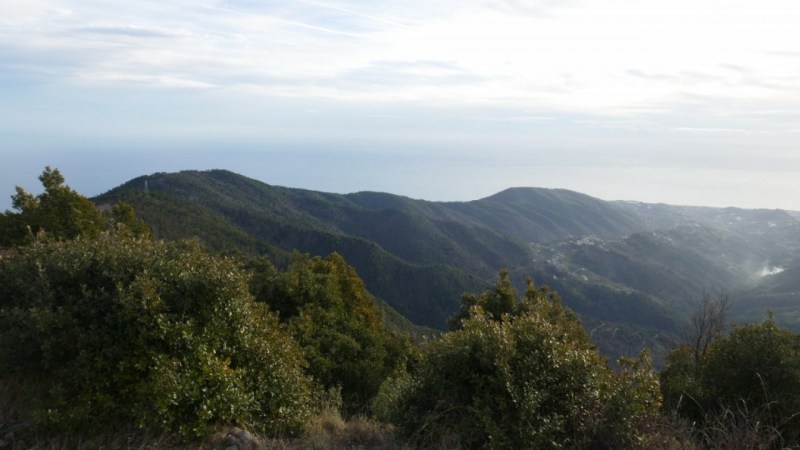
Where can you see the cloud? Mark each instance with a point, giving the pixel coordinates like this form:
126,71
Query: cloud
624,64
130,31
505,53
394,74
667,76
353,12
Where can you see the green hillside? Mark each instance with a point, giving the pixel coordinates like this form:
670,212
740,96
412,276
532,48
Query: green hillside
630,270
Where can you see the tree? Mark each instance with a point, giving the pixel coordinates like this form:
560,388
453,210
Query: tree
119,331
528,378
333,317
124,219
59,211
494,303
681,378
706,324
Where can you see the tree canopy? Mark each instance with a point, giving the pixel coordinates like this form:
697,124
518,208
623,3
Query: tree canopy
523,376
62,213
59,211
335,320
120,330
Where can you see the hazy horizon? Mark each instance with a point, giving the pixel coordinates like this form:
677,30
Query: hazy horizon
679,102
35,187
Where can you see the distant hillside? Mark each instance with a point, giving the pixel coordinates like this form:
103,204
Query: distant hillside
630,269
777,291
774,231
419,256
539,215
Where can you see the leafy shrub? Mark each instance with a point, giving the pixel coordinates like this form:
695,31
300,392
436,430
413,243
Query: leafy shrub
680,384
525,379
334,319
751,374
120,330
494,302
757,362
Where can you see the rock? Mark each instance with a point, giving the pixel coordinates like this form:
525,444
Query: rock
238,439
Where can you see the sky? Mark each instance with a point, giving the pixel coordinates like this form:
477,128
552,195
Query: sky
693,102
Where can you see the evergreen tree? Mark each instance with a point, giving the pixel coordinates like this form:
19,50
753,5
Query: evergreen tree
335,320
124,219
59,211
493,303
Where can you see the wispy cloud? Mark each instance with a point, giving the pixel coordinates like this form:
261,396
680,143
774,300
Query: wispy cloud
506,52
355,13
622,82
130,31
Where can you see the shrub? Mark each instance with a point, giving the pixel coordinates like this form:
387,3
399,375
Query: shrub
752,375
120,330
336,322
529,379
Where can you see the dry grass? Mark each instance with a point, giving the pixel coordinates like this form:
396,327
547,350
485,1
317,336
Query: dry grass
739,428
329,431
742,428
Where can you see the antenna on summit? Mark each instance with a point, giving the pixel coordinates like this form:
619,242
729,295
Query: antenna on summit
146,189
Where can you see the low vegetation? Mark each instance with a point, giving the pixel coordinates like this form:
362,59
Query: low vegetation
523,374
111,338
119,330
335,321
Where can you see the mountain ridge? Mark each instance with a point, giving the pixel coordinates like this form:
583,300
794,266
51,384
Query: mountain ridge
645,264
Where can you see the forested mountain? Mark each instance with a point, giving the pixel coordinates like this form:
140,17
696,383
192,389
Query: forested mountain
631,270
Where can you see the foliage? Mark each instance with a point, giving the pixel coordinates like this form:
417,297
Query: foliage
120,330
527,379
680,384
173,219
685,364
336,322
494,302
755,367
760,364
63,213
59,210
706,324
124,220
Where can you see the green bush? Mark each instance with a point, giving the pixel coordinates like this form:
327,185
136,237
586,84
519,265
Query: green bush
754,369
525,379
757,362
336,322
119,330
